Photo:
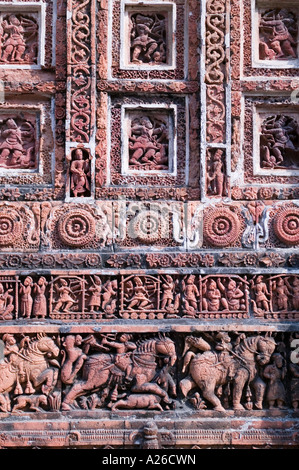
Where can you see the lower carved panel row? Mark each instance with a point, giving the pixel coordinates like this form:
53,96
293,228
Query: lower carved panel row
115,372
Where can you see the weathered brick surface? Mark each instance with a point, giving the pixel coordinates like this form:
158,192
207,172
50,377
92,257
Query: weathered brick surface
149,224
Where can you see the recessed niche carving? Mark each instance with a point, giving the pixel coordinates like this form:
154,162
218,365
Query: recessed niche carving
148,36
19,34
18,141
278,31
148,141
275,34
80,173
276,148
22,35
279,142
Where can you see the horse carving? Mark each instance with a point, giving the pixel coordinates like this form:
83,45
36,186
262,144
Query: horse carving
225,365
28,369
137,368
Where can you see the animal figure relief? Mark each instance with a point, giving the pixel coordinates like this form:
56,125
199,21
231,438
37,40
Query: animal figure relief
224,365
120,365
28,368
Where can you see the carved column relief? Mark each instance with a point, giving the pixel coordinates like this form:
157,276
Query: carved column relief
81,95
216,90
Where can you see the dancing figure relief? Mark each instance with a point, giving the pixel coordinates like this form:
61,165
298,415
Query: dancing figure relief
148,143
18,39
122,371
148,39
278,35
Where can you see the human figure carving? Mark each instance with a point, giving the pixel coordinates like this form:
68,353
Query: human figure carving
31,365
238,365
80,174
140,298
293,288
262,296
40,301
94,302
275,374
106,369
148,41
212,293
65,296
17,147
6,303
294,370
109,300
191,295
73,358
235,297
278,35
281,293
148,144
279,142
216,174
26,298
170,299
19,39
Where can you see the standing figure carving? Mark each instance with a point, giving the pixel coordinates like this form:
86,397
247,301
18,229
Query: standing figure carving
80,174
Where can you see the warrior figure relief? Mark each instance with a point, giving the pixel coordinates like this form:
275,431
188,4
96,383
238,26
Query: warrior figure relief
278,35
17,144
124,373
279,143
222,364
19,39
29,371
148,39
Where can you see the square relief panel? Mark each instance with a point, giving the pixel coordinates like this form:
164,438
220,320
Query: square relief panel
148,33
148,141
270,140
149,150
26,143
148,40
275,25
19,138
277,147
22,34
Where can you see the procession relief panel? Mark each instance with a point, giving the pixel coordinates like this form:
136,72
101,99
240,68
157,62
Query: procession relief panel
119,371
149,220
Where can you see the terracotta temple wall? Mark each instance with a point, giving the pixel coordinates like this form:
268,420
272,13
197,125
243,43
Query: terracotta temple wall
149,224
